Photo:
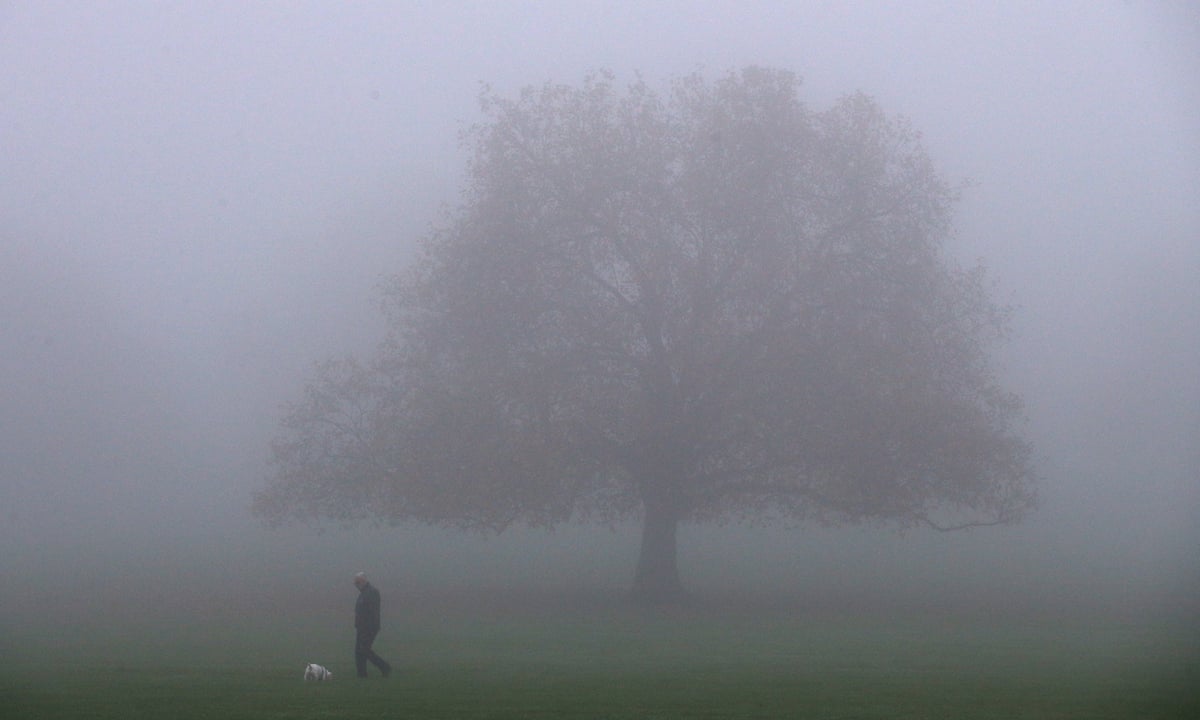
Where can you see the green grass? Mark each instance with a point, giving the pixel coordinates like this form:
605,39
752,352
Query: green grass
557,662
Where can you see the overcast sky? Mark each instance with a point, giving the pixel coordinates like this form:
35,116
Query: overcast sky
198,199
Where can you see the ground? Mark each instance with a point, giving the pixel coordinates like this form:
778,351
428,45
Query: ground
561,660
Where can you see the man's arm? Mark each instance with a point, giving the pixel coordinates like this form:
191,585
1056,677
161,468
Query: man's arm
373,609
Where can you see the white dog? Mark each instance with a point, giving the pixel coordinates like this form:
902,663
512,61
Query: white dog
317,672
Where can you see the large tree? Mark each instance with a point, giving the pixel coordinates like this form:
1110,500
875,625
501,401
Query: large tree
701,304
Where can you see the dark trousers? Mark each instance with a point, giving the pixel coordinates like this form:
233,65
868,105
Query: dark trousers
364,653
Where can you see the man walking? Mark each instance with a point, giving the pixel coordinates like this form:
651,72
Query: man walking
366,627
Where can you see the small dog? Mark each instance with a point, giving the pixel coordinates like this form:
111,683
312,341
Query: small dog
317,672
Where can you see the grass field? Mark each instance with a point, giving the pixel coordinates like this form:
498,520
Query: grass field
556,661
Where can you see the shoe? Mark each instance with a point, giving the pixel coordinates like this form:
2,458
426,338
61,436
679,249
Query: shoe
387,670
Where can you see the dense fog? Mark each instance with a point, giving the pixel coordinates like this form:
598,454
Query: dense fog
198,202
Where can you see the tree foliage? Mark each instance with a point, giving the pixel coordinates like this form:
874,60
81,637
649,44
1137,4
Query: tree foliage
708,303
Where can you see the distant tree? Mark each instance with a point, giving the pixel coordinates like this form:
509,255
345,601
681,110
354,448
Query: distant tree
706,304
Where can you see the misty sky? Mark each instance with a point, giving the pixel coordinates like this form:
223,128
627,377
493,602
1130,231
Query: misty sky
197,201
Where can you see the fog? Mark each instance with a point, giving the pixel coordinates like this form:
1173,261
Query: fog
198,201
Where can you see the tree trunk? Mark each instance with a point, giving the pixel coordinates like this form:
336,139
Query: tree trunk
657,580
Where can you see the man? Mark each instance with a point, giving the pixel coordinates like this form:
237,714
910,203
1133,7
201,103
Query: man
366,627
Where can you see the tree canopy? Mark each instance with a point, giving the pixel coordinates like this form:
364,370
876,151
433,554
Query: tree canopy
705,303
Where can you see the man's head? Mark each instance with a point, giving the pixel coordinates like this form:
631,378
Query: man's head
360,580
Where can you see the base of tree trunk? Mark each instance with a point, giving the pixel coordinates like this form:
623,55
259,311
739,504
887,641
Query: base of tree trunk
658,593
657,579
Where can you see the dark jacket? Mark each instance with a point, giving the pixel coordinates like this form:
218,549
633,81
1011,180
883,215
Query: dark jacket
366,610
